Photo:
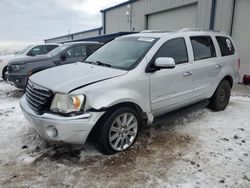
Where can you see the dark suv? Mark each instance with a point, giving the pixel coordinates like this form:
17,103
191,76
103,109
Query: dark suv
19,70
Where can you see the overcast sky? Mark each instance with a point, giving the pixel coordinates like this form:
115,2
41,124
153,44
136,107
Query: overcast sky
30,21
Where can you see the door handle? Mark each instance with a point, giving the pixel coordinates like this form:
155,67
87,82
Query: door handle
218,66
189,73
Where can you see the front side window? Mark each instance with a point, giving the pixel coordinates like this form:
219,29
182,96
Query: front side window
38,50
226,46
203,47
123,53
76,51
175,48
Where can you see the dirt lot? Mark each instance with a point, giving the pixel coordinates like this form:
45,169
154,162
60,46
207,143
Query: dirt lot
192,147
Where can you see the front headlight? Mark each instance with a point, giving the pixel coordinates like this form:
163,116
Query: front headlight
66,103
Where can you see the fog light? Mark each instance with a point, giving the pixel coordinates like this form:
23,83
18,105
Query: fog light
52,132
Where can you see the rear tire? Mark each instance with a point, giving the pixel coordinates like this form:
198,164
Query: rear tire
221,96
4,74
119,131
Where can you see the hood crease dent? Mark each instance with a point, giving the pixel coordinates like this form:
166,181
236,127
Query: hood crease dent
68,78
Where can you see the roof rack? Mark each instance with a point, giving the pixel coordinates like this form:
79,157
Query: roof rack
200,29
182,30
156,31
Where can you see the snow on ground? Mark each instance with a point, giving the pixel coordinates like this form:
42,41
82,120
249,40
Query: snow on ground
192,147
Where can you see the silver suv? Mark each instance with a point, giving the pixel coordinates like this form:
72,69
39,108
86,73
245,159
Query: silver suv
127,83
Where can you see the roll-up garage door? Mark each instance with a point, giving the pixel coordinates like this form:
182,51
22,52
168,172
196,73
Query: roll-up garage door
174,19
241,33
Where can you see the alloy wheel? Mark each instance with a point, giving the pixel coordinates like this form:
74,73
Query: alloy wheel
123,131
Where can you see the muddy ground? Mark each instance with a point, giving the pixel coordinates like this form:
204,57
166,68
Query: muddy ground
191,147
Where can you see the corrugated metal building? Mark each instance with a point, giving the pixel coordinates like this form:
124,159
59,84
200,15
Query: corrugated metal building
75,36
231,16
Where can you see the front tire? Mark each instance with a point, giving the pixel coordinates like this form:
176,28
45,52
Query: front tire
4,74
221,96
119,131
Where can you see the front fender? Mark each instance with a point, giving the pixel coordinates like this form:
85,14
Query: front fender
115,97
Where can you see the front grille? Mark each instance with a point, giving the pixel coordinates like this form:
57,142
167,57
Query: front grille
38,98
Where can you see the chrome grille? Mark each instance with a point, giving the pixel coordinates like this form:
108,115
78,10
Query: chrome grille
38,98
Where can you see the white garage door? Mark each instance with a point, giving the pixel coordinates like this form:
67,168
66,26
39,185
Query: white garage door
174,19
241,33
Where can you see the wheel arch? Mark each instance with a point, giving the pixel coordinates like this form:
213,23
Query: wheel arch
229,79
96,130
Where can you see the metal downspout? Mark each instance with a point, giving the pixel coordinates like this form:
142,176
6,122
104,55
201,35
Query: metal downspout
212,15
232,21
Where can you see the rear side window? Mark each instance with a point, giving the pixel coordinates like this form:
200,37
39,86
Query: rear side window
76,51
203,47
51,47
175,48
92,48
226,46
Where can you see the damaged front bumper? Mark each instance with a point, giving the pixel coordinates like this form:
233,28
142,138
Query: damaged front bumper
56,128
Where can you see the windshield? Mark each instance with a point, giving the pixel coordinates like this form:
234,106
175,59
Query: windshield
59,49
123,53
24,50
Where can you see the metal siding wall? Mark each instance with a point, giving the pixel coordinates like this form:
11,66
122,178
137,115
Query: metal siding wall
203,14
75,36
145,7
86,34
174,19
223,15
116,19
59,39
241,30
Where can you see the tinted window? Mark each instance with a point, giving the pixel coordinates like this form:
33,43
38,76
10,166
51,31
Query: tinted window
203,47
175,48
226,46
51,47
76,51
92,48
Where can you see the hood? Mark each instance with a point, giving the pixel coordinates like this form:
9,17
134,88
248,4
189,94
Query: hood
6,56
28,59
10,57
66,78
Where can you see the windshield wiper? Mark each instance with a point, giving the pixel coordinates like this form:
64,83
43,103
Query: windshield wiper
103,64
98,63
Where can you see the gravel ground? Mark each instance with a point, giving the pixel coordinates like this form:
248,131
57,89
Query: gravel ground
191,147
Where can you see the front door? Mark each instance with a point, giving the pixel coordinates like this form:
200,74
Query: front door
171,87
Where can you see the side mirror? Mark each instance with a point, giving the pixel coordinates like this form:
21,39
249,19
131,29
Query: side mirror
165,63
63,57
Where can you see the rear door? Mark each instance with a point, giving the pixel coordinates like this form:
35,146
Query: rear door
229,58
206,67
171,87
